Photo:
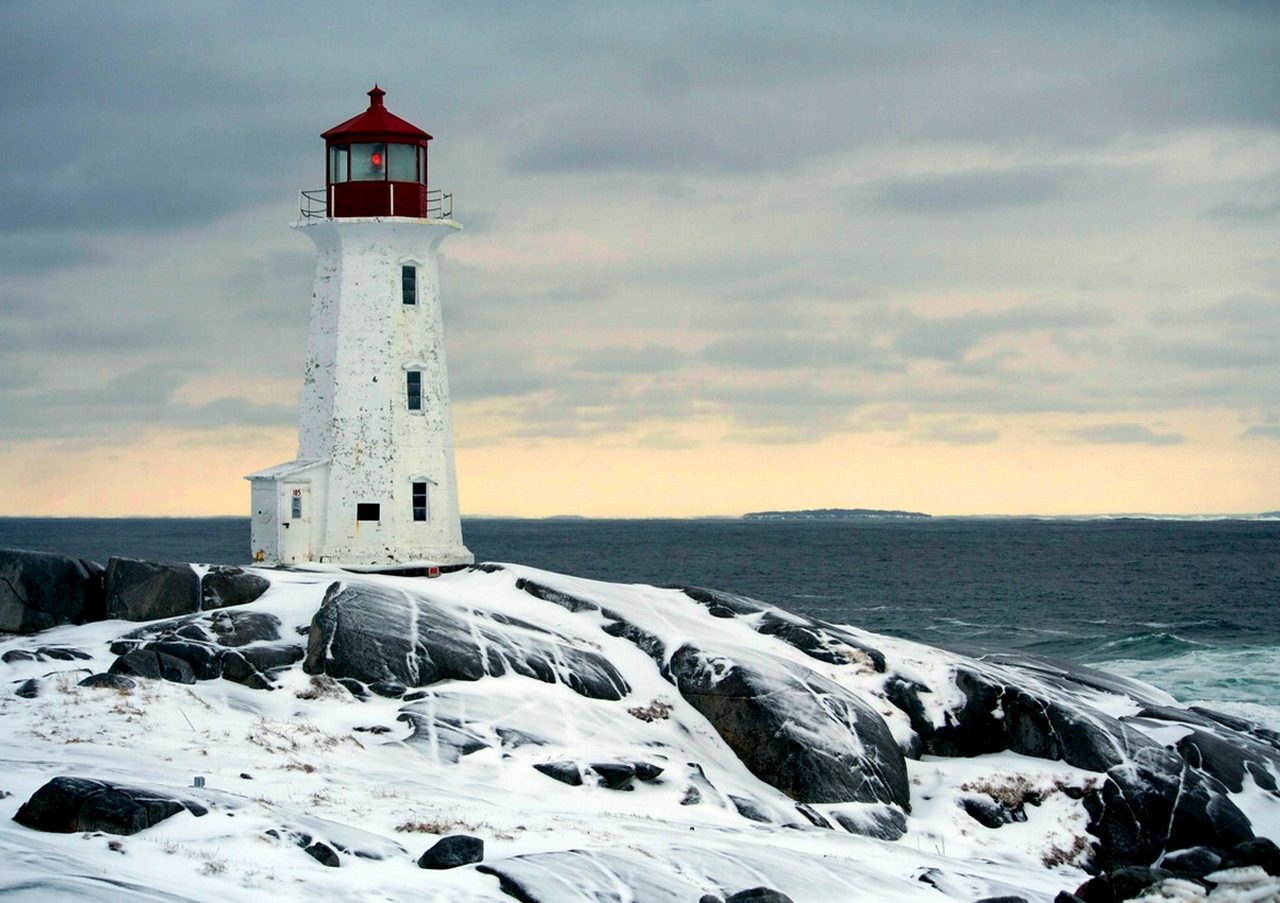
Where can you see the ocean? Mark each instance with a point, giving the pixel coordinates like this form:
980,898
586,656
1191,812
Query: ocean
1190,606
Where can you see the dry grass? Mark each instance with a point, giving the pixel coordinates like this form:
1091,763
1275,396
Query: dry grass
323,687
654,711
436,826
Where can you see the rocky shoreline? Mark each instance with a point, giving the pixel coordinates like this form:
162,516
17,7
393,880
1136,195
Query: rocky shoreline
700,699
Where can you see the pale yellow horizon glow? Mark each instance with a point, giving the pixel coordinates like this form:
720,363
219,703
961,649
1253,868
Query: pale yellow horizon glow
1031,470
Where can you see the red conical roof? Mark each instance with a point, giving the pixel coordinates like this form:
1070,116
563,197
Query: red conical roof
375,124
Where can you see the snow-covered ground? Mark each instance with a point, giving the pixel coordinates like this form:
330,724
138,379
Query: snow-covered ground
309,758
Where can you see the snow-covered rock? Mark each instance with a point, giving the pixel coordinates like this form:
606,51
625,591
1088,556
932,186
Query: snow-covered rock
603,742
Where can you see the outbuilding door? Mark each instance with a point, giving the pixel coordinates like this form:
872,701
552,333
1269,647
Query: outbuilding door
295,523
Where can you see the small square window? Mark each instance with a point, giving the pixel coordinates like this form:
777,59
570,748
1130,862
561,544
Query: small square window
413,384
420,501
409,284
368,511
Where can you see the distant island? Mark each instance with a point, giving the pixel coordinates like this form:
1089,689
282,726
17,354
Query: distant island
836,514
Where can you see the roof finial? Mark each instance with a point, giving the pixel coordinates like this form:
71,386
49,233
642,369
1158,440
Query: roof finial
375,96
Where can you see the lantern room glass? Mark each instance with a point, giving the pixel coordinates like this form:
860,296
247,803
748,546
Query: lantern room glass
402,162
368,162
338,163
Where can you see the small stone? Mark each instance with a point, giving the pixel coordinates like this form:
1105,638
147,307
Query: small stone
323,854
758,895
105,681
453,851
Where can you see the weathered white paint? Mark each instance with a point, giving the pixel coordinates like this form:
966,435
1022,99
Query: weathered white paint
358,442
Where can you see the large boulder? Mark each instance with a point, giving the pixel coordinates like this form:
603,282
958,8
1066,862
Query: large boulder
817,639
39,590
371,633
1150,802
241,646
793,728
223,585
150,590
68,805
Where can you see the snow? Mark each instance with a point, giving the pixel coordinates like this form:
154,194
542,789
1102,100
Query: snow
309,758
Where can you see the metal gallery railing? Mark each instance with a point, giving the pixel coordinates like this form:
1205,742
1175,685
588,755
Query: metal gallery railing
318,203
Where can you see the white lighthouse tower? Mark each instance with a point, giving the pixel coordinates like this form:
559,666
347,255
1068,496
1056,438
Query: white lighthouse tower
374,482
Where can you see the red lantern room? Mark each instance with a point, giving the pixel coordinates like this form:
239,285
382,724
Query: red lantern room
377,165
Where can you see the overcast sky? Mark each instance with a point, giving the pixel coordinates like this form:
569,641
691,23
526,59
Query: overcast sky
952,257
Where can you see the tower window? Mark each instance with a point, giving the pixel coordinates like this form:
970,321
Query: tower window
368,511
414,385
409,284
420,501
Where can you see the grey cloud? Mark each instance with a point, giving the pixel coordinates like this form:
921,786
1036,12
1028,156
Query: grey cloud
651,358
958,435
764,351
1125,434
1245,212
40,252
949,338
976,189
1265,431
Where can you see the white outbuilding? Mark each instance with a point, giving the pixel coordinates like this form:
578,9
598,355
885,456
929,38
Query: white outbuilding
374,481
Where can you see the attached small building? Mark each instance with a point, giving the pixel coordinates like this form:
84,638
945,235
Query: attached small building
374,481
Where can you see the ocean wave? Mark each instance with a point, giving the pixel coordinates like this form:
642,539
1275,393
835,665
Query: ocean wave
1241,680
1092,649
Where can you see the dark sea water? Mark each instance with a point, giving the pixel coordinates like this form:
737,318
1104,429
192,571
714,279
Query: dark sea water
1190,606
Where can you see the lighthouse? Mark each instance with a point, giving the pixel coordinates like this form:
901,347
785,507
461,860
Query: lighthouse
374,482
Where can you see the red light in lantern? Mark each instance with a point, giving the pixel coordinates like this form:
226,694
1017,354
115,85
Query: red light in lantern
377,160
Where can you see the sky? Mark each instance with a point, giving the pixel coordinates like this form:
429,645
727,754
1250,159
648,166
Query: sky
959,258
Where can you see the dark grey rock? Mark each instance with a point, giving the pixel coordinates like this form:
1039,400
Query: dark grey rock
28,689
370,633
1066,897
825,642
564,772
447,737
238,669
758,895
453,851
1154,803
879,821
109,682
793,728
1229,760
990,813
1260,851
749,809
39,590
154,665
1195,861
1121,884
547,594
323,853
240,628
223,586
1005,899
46,654
67,805
614,775
150,590
205,660
815,818
389,689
